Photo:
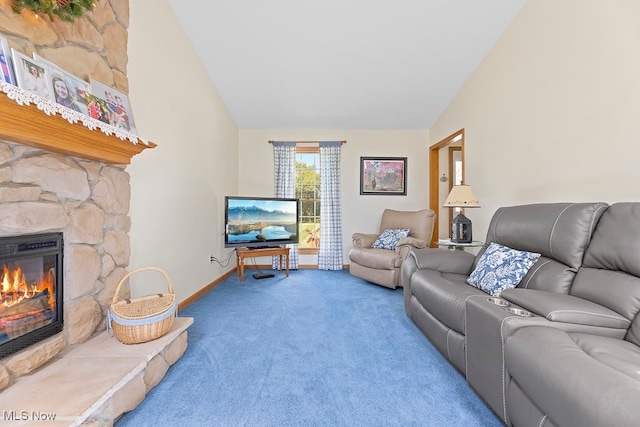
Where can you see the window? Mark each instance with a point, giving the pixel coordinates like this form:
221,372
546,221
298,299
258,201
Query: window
308,191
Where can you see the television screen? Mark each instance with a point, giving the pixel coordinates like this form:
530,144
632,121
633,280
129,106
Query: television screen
260,221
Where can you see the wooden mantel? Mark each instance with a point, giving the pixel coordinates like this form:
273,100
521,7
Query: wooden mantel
26,124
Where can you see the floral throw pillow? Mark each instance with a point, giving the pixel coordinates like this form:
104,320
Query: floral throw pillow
500,268
390,237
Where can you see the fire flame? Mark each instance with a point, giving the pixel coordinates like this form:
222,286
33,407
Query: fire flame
15,288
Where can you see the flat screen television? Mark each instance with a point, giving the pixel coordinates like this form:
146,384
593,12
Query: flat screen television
260,222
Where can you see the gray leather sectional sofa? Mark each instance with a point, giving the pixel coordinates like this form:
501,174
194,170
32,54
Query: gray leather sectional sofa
563,347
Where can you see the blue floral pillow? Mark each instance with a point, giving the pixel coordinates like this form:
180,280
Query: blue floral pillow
390,237
500,268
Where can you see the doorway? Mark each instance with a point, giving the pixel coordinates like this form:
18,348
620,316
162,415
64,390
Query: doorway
455,171
450,151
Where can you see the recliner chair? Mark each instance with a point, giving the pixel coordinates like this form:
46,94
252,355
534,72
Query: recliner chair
382,266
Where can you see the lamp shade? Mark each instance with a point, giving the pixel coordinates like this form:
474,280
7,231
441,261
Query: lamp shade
461,196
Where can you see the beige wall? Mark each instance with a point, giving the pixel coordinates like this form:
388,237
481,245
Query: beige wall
549,115
359,213
178,188
552,112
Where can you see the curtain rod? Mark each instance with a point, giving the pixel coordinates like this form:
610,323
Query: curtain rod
309,142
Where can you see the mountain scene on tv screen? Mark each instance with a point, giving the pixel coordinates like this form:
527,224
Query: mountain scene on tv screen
253,223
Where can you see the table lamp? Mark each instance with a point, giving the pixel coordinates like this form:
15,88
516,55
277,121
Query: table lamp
461,196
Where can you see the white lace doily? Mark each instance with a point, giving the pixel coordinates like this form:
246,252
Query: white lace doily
23,97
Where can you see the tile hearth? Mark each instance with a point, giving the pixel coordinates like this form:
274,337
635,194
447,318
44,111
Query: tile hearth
94,383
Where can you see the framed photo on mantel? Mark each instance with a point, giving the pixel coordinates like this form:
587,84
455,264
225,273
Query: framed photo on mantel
117,103
6,65
66,89
383,176
31,74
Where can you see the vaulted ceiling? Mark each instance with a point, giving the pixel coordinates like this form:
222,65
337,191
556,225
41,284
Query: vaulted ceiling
341,64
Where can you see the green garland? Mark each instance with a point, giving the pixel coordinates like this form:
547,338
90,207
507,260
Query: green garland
67,10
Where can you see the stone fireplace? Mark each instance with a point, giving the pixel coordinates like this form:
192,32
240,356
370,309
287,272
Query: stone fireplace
59,176
70,179
88,202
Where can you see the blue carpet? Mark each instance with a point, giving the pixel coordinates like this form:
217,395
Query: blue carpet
320,348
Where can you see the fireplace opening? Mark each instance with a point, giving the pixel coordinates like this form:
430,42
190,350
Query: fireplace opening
30,290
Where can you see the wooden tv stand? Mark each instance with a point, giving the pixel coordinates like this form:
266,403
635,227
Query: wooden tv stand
242,253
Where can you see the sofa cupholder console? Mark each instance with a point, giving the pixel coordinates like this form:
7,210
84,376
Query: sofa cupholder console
519,312
499,301
485,325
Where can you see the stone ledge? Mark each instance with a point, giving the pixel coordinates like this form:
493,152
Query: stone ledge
94,383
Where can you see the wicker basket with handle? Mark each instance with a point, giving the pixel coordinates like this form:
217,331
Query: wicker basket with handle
138,320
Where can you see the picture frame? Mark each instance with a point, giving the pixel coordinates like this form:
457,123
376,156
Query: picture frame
31,74
383,176
97,108
66,89
6,64
118,104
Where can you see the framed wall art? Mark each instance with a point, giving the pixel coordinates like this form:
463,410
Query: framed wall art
117,103
383,176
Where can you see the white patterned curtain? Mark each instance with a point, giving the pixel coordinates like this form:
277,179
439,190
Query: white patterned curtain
284,174
330,250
